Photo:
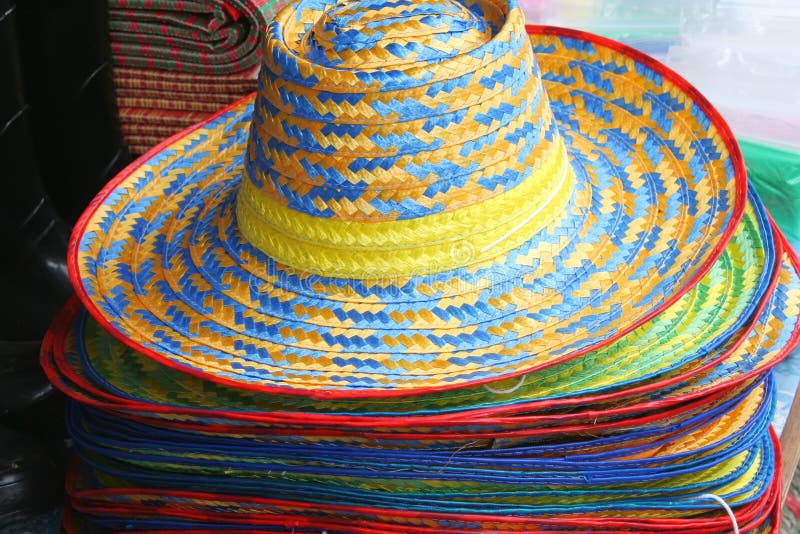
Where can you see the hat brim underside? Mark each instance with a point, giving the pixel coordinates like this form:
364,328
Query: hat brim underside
158,260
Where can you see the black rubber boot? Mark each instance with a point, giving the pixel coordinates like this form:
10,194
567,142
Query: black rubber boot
33,275
34,285
60,142
27,475
66,57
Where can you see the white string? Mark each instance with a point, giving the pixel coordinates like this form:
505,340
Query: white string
727,509
461,448
489,388
553,193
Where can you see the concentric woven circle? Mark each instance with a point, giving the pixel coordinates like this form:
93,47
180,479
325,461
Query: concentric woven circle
652,190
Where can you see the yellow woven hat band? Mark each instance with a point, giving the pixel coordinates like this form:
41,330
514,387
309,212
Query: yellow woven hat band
397,140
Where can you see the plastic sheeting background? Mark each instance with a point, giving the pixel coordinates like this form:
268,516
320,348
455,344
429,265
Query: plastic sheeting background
744,55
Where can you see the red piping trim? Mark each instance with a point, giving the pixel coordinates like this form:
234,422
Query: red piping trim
346,425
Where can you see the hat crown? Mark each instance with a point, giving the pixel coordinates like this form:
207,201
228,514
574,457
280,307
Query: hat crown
367,34
393,138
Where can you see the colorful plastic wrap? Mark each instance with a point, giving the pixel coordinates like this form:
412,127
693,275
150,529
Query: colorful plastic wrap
742,54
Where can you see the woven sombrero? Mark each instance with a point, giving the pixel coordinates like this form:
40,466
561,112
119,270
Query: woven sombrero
421,196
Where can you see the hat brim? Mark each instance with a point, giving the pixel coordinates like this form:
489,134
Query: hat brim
76,361
157,258
665,351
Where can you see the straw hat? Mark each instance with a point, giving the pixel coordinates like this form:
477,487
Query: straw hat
419,197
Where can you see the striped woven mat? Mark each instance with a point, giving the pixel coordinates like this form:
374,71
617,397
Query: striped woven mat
211,37
178,61
174,84
156,104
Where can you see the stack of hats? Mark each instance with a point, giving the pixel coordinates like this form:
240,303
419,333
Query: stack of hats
444,272
179,61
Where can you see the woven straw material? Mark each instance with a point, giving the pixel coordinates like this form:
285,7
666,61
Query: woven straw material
283,516
653,412
743,415
178,120
704,436
653,197
254,512
654,423
188,35
144,128
220,99
438,430
156,131
139,144
715,307
156,102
